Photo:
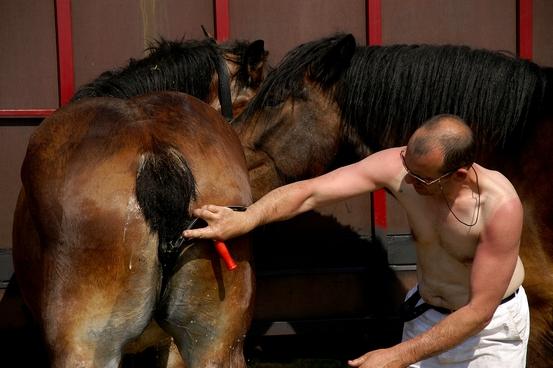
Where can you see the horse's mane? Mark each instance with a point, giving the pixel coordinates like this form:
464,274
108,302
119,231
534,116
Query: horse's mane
389,91
386,92
185,66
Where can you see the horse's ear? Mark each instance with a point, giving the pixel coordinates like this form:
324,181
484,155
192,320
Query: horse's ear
206,33
255,60
330,67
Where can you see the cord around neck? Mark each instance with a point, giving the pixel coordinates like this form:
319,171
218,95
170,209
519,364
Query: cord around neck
477,202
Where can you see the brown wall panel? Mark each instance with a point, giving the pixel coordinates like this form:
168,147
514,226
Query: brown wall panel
183,18
489,24
285,24
106,34
28,60
543,32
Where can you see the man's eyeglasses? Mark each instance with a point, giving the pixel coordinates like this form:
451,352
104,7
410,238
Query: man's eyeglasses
424,181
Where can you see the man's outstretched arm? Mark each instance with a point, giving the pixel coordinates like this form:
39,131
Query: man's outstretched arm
290,200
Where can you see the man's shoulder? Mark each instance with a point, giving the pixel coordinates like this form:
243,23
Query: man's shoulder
390,153
495,183
385,166
497,191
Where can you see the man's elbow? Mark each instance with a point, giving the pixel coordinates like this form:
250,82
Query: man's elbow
309,204
482,316
485,318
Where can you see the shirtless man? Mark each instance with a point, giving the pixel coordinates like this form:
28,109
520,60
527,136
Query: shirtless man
469,306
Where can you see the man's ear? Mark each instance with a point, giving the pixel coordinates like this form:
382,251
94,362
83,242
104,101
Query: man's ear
461,174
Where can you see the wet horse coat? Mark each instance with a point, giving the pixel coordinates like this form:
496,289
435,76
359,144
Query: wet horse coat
330,103
107,185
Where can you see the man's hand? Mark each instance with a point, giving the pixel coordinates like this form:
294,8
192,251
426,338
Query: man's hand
223,223
382,358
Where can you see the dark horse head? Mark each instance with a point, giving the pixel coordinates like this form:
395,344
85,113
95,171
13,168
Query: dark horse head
193,67
330,102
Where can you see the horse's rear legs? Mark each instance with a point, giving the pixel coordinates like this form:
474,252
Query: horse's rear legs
95,304
207,309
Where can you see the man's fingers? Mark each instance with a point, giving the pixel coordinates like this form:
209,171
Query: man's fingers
196,233
357,362
214,208
209,211
214,216
205,214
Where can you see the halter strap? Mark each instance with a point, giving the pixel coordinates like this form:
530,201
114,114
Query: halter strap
224,88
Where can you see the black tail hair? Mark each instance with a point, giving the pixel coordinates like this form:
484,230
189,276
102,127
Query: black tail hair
165,187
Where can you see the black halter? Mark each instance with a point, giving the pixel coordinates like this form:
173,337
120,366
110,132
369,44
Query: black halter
223,88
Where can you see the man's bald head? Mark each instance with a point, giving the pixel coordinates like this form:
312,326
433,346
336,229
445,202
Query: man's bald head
451,136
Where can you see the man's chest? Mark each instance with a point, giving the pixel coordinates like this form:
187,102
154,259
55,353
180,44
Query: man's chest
436,228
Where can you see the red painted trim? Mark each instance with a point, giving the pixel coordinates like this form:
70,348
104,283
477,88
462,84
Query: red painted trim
374,22
380,213
374,37
66,79
64,38
524,29
222,20
29,113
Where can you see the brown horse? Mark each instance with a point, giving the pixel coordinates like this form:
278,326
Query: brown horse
329,103
107,187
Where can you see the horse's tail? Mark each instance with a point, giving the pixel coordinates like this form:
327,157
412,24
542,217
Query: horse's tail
165,187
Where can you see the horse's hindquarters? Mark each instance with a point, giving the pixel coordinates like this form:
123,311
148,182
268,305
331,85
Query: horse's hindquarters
86,255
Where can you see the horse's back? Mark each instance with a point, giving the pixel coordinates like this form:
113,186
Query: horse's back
89,152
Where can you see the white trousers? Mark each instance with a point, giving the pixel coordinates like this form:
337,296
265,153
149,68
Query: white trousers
502,344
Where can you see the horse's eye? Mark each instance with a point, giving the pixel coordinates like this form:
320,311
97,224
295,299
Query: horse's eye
302,95
273,101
